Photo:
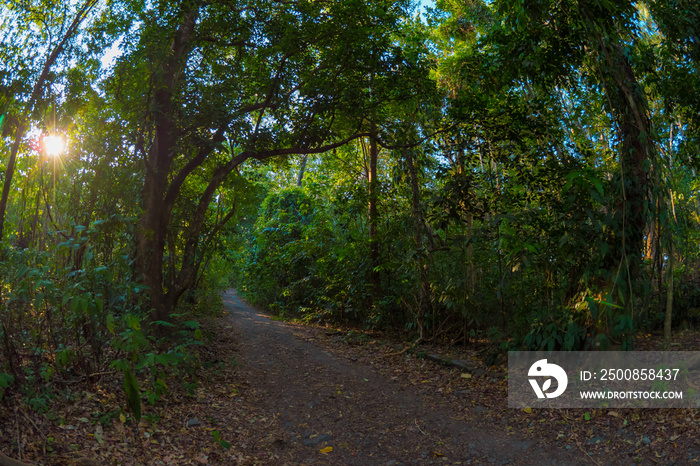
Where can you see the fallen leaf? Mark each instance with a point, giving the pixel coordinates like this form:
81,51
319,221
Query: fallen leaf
528,410
466,376
98,434
326,450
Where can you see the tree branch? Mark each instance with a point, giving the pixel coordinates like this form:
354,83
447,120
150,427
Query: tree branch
196,161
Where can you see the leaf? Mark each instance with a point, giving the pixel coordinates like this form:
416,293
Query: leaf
613,414
133,322
527,409
6,379
110,323
99,434
546,385
587,416
466,376
621,294
191,324
326,450
133,395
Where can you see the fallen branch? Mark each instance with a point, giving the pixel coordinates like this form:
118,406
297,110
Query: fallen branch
464,365
38,431
102,373
588,455
408,348
19,443
461,365
419,429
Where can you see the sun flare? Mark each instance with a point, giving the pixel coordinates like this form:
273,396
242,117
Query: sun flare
54,145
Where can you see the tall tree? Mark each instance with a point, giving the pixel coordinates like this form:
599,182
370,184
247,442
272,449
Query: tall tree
230,83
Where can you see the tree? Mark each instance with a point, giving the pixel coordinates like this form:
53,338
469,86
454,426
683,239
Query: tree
231,83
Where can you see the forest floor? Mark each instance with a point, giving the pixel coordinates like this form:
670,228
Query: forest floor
272,392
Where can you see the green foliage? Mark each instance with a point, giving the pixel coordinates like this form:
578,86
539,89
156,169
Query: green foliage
155,368
64,307
562,334
133,394
285,267
279,257
69,312
217,438
5,381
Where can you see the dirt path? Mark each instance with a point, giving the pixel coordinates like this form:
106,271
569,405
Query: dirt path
318,399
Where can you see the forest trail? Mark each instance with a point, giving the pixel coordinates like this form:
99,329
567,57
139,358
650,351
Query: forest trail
319,399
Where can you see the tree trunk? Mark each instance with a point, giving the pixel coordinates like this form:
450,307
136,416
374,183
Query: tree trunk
300,177
375,277
150,250
157,205
630,108
669,298
418,235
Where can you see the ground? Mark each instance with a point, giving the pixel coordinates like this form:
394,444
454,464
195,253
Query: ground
271,392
